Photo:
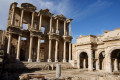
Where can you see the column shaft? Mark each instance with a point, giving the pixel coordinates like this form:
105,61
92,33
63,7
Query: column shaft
50,47
57,26
18,47
56,51
64,27
70,51
51,24
30,50
9,44
98,65
40,23
12,19
90,61
32,22
21,18
38,50
70,29
64,55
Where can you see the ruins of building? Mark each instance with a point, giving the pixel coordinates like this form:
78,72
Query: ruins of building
99,52
2,37
38,36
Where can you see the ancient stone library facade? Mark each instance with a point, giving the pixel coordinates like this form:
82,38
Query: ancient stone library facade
38,36
42,37
98,52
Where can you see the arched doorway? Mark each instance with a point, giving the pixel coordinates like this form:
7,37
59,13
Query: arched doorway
115,60
101,60
83,60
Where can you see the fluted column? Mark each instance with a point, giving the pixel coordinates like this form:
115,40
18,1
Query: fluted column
56,51
40,22
9,44
50,47
84,63
57,26
21,18
32,22
18,47
70,51
38,50
30,49
51,24
116,65
64,27
64,55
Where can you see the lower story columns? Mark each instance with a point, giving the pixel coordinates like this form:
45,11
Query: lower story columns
84,63
50,47
38,50
30,49
90,61
69,51
18,47
64,54
56,51
9,44
97,65
116,65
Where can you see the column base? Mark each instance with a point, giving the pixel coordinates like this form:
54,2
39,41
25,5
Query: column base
29,60
38,60
49,60
56,60
64,60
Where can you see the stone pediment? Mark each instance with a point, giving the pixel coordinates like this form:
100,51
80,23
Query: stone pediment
61,17
45,12
28,6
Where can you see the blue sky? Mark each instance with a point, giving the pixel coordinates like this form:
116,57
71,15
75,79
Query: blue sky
90,16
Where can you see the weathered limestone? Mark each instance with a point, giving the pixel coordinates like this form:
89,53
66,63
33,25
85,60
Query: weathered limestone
58,70
116,65
9,43
21,21
40,22
30,49
38,50
84,63
56,51
50,45
69,51
64,54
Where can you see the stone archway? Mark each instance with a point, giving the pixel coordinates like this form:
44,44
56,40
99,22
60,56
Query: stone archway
115,60
83,58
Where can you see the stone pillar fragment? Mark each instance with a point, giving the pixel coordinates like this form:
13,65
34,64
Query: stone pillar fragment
30,49
64,27
18,47
51,24
32,22
9,44
58,70
116,65
57,26
56,51
38,50
50,47
84,63
64,54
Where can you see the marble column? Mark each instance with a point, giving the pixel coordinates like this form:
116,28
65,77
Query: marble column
13,13
51,24
116,65
97,64
64,27
70,29
84,63
57,26
38,50
30,49
40,22
21,18
9,44
32,22
70,51
90,61
56,51
18,47
50,47
64,55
